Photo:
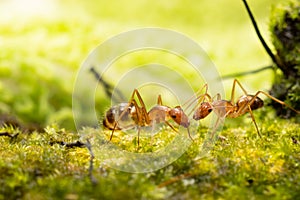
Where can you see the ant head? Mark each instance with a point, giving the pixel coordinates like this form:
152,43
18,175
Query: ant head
204,109
179,116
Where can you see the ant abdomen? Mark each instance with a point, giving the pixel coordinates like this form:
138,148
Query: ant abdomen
246,99
113,115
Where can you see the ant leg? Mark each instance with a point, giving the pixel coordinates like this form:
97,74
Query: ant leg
253,119
218,96
112,132
235,81
253,99
200,98
245,106
197,96
140,112
138,140
172,127
159,101
122,114
241,110
275,99
188,130
216,126
143,106
203,97
116,122
152,131
141,115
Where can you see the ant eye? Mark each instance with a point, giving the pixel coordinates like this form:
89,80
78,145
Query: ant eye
210,109
173,116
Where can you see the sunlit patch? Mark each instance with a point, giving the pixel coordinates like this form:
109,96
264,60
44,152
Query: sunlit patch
26,8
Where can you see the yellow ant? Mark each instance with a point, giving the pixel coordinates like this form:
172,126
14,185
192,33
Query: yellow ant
224,108
160,113
138,114
228,108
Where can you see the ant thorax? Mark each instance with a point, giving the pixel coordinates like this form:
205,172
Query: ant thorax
159,114
223,108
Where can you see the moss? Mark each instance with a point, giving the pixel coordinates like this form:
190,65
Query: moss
285,28
36,163
33,166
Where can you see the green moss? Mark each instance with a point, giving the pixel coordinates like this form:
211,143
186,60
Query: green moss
38,60
285,28
37,166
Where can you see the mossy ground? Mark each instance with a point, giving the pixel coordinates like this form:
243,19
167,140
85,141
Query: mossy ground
37,166
39,56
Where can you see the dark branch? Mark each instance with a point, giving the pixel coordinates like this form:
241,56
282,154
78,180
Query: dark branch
81,144
8,135
175,179
5,134
268,50
69,145
108,88
91,168
246,73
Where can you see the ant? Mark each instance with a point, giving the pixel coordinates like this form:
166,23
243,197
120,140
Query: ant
141,118
224,108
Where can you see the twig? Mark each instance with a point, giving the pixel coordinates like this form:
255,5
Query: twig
69,145
108,88
175,179
247,72
266,47
81,144
8,135
91,168
5,134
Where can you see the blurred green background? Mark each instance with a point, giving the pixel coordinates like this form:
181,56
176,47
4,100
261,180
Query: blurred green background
43,43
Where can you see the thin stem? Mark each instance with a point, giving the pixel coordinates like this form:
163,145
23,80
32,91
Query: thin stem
268,50
247,72
108,87
91,168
